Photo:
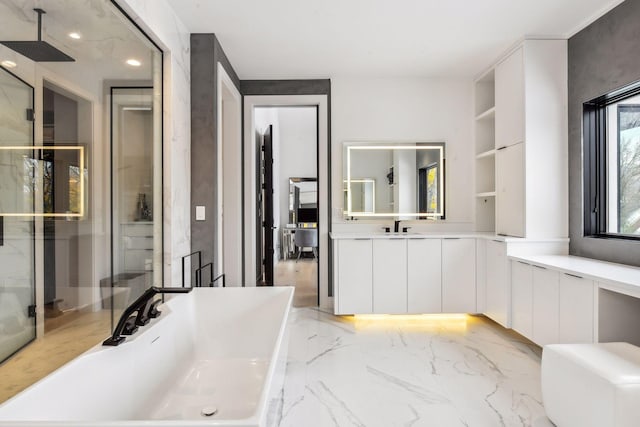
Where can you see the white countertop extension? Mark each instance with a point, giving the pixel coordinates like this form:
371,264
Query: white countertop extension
436,235
616,277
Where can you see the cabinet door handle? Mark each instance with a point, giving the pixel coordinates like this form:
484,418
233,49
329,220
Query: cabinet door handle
497,241
524,263
539,266
501,148
362,238
573,275
452,238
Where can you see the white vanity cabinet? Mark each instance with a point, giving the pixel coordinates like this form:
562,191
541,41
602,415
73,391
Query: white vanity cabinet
424,276
404,275
354,273
545,306
390,276
522,298
550,306
576,308
458,275
498,291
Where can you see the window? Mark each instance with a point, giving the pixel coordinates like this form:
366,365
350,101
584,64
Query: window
612,164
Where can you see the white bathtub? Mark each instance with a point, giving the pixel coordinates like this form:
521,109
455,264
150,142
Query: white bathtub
214,347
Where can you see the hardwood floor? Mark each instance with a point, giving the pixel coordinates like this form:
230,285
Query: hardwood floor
65,341
303,275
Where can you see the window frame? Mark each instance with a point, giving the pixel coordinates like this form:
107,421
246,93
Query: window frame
595,161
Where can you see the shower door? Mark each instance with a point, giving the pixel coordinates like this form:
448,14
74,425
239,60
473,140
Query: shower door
17,207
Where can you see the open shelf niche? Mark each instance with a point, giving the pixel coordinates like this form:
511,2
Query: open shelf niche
485,167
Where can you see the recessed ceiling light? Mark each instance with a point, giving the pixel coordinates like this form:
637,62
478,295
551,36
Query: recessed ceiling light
8,64
75,36
134,62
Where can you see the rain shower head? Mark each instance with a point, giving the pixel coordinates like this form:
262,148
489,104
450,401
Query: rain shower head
39,50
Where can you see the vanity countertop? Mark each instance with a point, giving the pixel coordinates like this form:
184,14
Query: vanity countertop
436,235
617,277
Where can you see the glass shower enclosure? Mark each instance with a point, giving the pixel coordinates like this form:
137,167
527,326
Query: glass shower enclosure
19,172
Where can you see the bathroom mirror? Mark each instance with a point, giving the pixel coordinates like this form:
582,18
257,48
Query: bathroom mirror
395,180
303,200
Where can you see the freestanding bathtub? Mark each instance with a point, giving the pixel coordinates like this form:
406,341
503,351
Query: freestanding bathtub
219,350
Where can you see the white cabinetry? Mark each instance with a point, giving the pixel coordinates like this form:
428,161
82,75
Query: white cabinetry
551,307
576,309
545,306
404,275
355,276
424,276
510,173
485,135
522,298
510,100
390,276
137,244
458,275
523,175
498,291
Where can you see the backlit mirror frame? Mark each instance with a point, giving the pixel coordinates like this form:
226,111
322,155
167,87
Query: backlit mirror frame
350,148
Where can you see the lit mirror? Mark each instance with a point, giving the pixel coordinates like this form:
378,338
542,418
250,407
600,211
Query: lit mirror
401,180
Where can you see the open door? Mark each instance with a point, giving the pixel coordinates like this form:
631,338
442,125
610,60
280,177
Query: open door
267,211
259,210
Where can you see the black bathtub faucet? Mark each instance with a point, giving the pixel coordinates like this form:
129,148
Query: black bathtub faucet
128,323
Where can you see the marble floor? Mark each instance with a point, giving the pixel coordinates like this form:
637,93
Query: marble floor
402,371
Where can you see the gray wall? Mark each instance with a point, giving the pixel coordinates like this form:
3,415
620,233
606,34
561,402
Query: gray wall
602,57
206,53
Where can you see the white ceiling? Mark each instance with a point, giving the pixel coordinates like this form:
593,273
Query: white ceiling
107,39
279,39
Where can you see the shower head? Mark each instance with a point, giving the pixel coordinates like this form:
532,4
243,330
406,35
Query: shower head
39,50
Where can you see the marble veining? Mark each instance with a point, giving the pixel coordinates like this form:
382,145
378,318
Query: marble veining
453,371
163,25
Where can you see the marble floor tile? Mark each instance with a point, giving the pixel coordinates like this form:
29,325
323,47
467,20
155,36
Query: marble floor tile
407,371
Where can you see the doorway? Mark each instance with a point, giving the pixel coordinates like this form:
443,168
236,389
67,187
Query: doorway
287,199
67,240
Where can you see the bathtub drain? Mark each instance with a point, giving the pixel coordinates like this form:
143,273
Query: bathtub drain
209,411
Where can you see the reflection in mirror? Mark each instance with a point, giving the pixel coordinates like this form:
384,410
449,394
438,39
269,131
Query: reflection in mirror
363,195
303,201
401,180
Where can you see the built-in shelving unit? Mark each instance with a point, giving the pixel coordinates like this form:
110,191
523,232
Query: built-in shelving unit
485,135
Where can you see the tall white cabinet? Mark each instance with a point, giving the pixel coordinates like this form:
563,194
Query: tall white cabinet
521,179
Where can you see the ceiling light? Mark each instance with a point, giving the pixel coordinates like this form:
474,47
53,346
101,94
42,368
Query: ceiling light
75,36
8,64
134,62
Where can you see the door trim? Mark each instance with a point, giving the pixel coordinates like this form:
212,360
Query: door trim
322,104
229,149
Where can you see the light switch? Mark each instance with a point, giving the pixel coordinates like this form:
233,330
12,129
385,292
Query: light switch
200,213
